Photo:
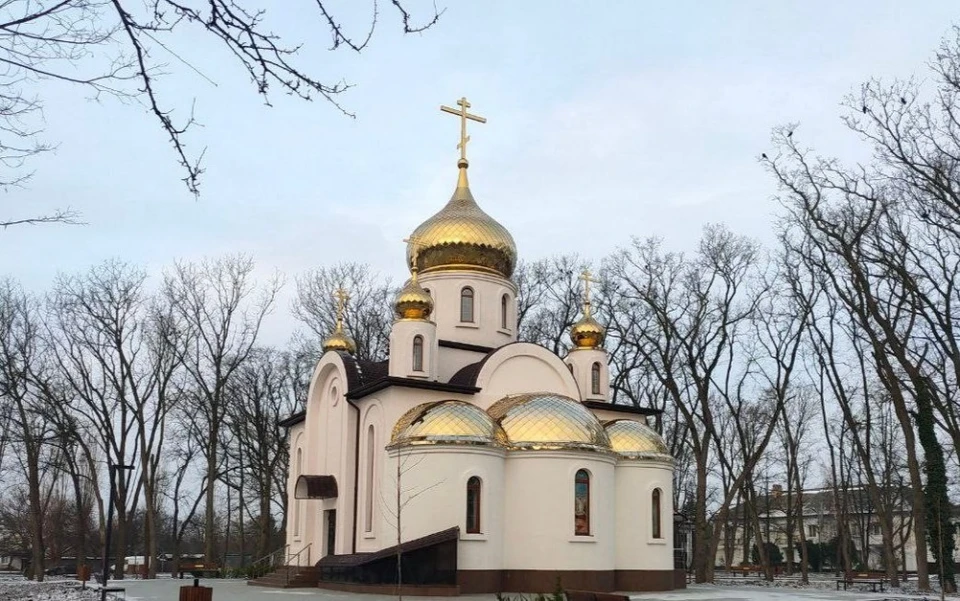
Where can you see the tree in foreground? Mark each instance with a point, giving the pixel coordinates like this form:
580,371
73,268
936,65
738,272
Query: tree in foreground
120,48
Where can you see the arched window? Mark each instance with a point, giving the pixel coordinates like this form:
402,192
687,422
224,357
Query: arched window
297,503
657,530
466,305
418,353
503,311
473,505
581,503
368,500
595,379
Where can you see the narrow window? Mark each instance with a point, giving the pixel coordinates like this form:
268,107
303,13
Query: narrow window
466,305
503,311
473,505
368,501
297,503
657,530
581,504
595,379
418,353
570,367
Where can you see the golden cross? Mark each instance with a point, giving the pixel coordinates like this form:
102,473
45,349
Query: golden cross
585,276
415,241
342,298
464,115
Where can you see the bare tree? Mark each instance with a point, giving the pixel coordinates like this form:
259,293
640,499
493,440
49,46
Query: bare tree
222,308
368,315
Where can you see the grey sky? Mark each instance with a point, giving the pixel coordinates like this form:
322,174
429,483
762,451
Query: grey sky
606,120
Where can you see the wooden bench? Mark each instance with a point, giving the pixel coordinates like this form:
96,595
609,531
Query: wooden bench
199,569
592,596
863,579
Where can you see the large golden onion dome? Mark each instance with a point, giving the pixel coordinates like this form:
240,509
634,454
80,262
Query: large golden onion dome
548,421
447,422
462,236
632,439
413,302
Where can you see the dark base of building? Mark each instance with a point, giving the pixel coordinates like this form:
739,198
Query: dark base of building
530,581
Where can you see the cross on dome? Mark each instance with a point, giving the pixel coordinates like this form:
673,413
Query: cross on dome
464,115
586,278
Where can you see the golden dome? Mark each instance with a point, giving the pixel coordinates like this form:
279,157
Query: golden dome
547,421
587,333
339,341
462,236
447,422
413,302
636,440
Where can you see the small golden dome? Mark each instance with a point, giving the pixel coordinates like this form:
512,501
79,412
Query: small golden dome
547,421
447,422
462,236
587,333
636,440
413,302
339,341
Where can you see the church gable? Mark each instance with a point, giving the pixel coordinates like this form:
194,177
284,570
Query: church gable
521,367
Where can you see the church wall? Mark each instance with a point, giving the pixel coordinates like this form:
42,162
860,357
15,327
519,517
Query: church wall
436,479
539,510
450,360
523,368
401,349
370,473
486,329
295,509
607,416
636,549
582,361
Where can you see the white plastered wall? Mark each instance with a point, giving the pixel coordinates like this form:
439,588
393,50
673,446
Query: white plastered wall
636,549
520,368
402,334
582,361
486,328
434,481
295,509
328,449
539,511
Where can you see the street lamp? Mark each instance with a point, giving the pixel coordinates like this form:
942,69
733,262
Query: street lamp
106,547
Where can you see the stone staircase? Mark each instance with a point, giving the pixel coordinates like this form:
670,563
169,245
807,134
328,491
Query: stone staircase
289,577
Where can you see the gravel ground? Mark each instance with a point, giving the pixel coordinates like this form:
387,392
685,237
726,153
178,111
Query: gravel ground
11,590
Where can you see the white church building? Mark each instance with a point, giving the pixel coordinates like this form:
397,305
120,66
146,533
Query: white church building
513,467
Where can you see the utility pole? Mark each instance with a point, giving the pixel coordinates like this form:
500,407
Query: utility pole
111,468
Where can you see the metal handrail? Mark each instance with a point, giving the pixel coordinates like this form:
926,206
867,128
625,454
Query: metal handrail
271,559
296,556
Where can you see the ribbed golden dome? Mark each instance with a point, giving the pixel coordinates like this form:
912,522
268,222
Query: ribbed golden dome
546,421
587,333
413,302
462,236
447,422
636,440
339,341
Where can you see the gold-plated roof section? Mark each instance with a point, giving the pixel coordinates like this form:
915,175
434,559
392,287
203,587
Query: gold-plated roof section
635,440
447,422
547,421
587,333
462,236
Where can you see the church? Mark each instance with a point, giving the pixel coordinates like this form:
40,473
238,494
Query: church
477,462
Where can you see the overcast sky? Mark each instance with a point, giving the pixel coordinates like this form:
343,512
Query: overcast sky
606,120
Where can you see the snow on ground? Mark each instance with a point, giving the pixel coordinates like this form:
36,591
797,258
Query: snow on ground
58,590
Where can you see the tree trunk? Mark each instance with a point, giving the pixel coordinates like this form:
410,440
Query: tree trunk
36,513
209,525
701,529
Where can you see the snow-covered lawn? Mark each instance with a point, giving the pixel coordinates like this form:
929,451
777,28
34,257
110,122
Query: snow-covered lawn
60,590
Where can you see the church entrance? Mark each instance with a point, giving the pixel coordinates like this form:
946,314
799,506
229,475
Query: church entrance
330,526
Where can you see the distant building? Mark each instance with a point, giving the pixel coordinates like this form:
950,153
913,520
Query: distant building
819,525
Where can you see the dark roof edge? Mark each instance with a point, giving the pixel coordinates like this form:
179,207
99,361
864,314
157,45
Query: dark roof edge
622,408
463,346
389,381
293,420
